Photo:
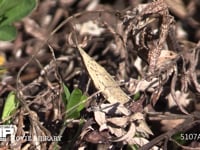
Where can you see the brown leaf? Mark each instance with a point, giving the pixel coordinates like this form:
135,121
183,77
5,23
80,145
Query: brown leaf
118,132
94,137
90,28
143,85
86,131
166,56
97,137
130,134
100,118
142,127
118,121
182,97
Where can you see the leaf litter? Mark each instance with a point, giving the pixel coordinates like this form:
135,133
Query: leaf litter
102,46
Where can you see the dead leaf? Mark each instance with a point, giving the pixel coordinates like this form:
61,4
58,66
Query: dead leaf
86,131
143,85
130,134
166,57
118,132
137,116
182,99
90,28
95,137
103,80
118,121
142,126
100,118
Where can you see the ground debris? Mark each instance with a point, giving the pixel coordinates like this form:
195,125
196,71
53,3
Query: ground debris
137,66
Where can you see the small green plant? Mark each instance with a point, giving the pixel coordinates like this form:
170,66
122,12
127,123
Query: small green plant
136,96
11,11
11,104
74,102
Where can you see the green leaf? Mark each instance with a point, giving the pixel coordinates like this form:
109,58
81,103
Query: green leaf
10,105
136,96
66,94
15,11
75,98
5,5
7,33
75,103
83,97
